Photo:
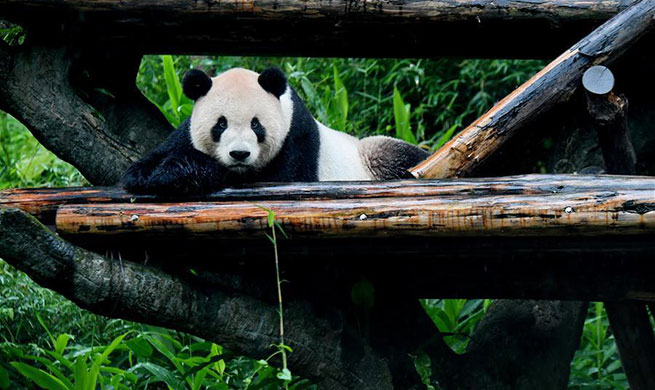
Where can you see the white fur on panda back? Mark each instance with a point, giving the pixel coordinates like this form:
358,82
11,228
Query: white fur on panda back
339,157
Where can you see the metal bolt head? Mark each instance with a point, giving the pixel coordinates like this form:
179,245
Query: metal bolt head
598,80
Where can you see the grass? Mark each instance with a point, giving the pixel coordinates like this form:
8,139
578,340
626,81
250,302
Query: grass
48,342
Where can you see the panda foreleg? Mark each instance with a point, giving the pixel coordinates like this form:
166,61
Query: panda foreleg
390,158
174,167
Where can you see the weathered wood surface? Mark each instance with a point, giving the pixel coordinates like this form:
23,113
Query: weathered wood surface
43,202
553,84
505,211
609,115
635,340
323,28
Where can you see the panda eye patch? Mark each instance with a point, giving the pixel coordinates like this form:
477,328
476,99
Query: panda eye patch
258,129
219,128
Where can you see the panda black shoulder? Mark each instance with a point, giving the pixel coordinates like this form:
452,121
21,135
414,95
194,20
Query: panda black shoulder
298,157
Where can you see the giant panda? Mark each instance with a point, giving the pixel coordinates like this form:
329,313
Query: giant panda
247,127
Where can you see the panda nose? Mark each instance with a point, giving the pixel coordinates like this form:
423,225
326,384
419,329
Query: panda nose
239,154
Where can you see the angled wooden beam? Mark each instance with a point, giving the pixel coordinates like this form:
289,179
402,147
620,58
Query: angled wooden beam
321,28
553,84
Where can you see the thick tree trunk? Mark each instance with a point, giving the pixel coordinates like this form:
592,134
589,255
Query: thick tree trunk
101,139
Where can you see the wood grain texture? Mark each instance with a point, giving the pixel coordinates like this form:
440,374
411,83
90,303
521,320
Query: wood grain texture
319,27
467,212
43,202
553,84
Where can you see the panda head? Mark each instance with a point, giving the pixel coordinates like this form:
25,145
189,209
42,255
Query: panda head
240,118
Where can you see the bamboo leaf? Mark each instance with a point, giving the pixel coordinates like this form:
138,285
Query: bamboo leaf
40,377
401,114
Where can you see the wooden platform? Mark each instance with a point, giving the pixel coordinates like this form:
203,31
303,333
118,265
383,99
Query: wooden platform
537,236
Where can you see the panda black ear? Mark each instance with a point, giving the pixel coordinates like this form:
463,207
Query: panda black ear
273,81
196,84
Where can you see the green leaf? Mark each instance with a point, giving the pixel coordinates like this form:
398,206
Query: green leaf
80,373
199,378
61,343
163,349
173,85
284,375
38,317
139,346
401,114
40,377
110,348
160,373
4,379
341,100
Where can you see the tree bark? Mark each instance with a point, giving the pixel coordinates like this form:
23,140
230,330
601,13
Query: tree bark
609,114
339,28
523,345
44,202
553,84
603,212
326,348
101,139
635,341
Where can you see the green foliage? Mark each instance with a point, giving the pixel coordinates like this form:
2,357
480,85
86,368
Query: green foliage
401,115
25,163
421,101
596,364
11,34
456,318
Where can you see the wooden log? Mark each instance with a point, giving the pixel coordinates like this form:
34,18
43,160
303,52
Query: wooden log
608,111
635,341
629,319
553,84
320,28
585,212
43,202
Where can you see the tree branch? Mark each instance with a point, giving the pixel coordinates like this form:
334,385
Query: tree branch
36,88
326,349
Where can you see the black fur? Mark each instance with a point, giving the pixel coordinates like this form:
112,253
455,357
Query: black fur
391,158
259,130
176,167
218,129
196,84
273,81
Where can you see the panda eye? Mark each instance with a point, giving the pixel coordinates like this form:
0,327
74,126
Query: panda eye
222,122
254,123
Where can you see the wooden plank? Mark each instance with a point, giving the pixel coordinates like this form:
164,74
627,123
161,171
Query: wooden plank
553,84
43,202
378,28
